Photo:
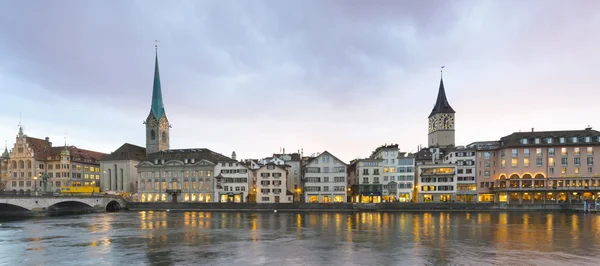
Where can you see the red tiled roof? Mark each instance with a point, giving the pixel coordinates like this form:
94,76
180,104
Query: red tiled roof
41,148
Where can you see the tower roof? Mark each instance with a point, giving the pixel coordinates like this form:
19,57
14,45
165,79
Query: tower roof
5,153
441,104
157,107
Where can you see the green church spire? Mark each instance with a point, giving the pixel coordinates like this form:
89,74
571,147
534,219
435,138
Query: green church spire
157,108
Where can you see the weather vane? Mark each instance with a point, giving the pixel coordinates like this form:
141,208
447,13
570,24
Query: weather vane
442,71
155,44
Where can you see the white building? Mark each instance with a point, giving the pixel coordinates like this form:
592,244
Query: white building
271,184
294,183
119,172
436,180
325,179
466,185
364,178
232,181
397,178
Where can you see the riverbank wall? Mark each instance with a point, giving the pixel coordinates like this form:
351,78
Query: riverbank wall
343,207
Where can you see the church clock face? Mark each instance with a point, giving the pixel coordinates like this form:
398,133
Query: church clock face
164,124
432,124
446,121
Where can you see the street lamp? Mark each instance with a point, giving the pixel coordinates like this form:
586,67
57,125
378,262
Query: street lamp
35,184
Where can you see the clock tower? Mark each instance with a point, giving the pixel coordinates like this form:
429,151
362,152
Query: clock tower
157,124
441,121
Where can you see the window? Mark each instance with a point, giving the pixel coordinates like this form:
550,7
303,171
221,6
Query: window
385,178
549,140
486,173
590,169
563,170
503,163
325,169
325,158
574,139
538,161
588,139
385,169
502,153
515,162
539,152
577,160
577,170
537,140
563,151
365,180
551,170
590,151
486,155
526,152
551,152
590,160
515,152
524,141
365,171
561,140
339,179
564,162
152,135
577,151
526,162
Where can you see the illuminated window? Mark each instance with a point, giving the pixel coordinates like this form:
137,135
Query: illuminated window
577,170
385,170
515,162
576,150
503,163
539,152
526,162
563,170
392,169
563,151
590,151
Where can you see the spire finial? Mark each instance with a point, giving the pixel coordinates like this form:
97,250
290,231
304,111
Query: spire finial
156,46
442,72
65,139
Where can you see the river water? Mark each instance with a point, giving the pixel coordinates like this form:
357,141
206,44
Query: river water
219,238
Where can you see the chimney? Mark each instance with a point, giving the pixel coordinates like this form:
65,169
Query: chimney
233,156
531,129
283,150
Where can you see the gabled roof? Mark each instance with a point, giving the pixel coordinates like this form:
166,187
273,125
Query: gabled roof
326,152
441,104
294,156
42,149
127,151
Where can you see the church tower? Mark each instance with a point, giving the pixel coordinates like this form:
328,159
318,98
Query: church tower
157,124
441,121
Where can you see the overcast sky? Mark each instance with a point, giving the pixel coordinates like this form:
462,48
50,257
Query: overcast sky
255,76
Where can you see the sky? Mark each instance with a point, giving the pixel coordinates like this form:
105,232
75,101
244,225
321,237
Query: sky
257,76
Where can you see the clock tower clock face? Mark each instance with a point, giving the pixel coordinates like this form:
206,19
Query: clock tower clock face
446,121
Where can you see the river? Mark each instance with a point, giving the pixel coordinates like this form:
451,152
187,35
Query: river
226,238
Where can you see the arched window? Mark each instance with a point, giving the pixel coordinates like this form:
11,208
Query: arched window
14,165
164,137
152,135
21,165
28,164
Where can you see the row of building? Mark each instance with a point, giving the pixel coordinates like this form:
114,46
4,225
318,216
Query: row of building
521,168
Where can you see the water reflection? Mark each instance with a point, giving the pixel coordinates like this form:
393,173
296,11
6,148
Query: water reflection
368,238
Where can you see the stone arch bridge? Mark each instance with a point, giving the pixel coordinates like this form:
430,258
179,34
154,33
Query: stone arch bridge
14,204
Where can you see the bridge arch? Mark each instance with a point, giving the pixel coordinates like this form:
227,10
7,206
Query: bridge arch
11,208
113,206
70,206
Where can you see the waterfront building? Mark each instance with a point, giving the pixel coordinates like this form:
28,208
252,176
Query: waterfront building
31,158
464,159
232,180
542,167
486,168
398,176
294,182
325,179
4,168
364,178
271,184
119,172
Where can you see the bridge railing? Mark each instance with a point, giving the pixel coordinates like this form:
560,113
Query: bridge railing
12,194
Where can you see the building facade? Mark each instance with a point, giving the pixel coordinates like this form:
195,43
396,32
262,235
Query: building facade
36,166
294,182
364,177
4,159
486,169
398,173
436,180
119,172
271,184
325,179
464,159
543,167
232,181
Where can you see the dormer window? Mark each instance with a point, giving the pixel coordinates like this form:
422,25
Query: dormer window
549,140
163,161
588,139
537,140
562,140
185,161
574,139
523,141
155,161
192,160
